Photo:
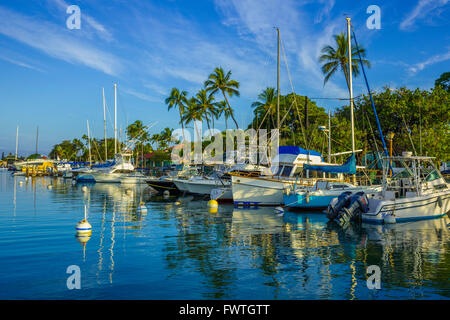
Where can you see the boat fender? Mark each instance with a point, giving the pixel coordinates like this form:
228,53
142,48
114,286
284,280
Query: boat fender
439,201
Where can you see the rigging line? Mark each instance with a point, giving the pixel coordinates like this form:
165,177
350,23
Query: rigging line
371,98
408,131
293,91
95,144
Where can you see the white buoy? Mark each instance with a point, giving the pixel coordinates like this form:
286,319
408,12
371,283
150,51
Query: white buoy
142,208
213,204
389,219
166,193
84,227
279,210
84,188
49,187
20,183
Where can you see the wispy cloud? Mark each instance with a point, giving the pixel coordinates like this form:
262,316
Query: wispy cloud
20,63
325,12
422,10
430,61
56,42
140,95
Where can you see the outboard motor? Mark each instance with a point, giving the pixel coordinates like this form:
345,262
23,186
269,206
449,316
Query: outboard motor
352,212
337,204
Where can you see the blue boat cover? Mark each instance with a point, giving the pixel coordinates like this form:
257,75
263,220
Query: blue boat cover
348,167
296,150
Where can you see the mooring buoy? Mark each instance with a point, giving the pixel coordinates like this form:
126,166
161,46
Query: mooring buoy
84,227
279,210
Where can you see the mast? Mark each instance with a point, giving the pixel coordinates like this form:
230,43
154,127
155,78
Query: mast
37,138
278,79
17,140
329,136
104,123
351,87
89,142
115,118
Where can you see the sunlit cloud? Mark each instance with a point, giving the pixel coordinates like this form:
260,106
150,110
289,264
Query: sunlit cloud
422,10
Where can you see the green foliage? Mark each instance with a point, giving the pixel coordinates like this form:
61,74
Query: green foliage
443,81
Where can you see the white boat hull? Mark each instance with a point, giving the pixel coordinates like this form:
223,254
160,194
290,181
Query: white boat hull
430,206
258,191
180,184
107,177
203,186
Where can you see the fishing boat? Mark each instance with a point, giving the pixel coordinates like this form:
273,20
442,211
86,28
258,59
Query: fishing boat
418,192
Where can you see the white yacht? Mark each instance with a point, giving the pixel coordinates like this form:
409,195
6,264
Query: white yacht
121,167
417,192
267,190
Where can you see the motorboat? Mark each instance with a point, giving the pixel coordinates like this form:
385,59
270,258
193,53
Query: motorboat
417,192
121,167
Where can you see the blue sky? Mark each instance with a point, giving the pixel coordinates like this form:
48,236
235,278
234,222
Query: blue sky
52,76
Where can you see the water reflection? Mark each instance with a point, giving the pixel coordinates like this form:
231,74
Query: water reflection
186,252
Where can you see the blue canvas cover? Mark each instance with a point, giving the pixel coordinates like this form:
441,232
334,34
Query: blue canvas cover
296,150
348,167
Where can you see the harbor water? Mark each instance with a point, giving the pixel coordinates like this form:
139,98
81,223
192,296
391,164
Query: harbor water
179,250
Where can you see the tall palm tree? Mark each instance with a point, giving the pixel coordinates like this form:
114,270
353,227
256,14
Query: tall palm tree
337,58
178,99
205,105
267,103
192,113
223,108
219,81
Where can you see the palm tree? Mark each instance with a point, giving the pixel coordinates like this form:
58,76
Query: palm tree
192,113
222,108
219,81
267,103
178,99
205,105
337,58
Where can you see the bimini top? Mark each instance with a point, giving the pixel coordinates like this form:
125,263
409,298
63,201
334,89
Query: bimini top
348,167
297,150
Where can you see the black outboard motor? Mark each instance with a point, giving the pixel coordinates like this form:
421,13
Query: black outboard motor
335,206
352,212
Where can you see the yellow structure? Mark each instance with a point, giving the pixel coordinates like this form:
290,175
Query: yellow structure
45,169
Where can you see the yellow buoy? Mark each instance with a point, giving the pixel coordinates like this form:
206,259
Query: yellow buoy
212,210
213,204
177,203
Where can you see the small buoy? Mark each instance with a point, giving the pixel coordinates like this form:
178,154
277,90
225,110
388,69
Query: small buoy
213,204
142,208
84,227
389,219
26,178
84,188
279,210
212,210
49,187
166,193
20,183
177,203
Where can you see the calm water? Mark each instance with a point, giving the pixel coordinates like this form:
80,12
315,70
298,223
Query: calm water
181,251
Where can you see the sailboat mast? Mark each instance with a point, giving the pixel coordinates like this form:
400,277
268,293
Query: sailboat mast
37,138
115,118
89,142
17,140
329,136
351,87
278,79
104,123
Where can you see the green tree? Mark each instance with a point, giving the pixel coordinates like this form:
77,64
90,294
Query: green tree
178,100
335,58
443,81
219,81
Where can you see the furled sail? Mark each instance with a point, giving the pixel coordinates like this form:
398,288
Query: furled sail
348,167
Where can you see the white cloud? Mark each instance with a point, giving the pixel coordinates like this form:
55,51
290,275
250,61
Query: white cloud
432,60
140,95
422,10
20,63
56,42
